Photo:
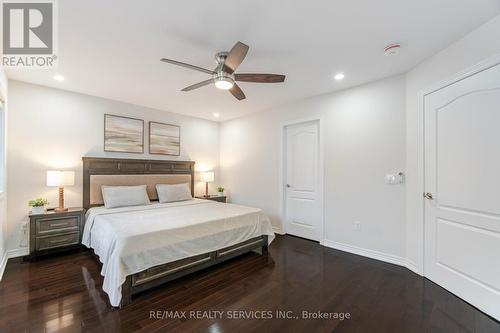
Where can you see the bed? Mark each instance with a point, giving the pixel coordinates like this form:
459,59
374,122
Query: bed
141,247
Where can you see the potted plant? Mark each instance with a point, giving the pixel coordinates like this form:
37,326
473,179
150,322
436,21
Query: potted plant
38,205
220,191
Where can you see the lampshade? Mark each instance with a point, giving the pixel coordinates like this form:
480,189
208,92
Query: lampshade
207,177
60,178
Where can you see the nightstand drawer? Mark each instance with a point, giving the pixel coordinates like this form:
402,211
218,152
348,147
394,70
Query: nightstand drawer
56,225
55,231
218,198
44,243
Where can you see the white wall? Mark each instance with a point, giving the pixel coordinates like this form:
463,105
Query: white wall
53,129
3,192
370,130
475,47
364,139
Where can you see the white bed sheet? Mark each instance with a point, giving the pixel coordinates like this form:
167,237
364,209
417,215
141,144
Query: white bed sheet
128,240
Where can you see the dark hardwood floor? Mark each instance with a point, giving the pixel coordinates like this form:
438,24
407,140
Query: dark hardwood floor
63,294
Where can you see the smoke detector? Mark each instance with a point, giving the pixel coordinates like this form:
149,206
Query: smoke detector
392,49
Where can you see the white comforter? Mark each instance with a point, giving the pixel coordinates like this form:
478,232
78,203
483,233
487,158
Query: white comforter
131,239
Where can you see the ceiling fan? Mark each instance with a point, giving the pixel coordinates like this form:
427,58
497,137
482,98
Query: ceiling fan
223,75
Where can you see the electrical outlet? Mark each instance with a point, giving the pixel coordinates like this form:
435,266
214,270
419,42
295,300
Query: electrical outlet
357,226
25,228
23,241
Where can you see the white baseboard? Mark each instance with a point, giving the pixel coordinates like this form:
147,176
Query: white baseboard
373,254
413,267
20,252
23,251
3,264
277,230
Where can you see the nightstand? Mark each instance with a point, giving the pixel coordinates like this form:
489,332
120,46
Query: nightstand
214,198
52,232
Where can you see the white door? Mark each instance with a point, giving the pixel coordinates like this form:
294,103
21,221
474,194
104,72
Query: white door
303,202
462,179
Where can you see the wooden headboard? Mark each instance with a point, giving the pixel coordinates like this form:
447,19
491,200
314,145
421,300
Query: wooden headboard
93,166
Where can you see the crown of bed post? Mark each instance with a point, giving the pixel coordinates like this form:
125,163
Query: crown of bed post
123,166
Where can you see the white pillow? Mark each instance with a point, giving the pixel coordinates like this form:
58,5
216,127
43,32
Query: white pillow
121,196
170,193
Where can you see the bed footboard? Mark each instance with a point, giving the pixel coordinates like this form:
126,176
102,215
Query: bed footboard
160,274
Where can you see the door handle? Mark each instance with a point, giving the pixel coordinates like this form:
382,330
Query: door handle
428,196
288,185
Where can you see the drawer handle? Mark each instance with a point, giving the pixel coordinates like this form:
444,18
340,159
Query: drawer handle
59,241
58,224
223,253
170,271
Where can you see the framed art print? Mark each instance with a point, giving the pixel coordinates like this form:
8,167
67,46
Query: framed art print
123,134
164,139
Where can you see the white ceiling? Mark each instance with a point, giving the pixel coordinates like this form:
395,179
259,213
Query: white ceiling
112,48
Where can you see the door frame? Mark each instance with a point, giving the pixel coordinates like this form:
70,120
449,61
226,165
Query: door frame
475,69
282,172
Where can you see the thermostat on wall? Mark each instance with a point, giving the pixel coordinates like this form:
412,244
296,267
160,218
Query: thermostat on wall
394,179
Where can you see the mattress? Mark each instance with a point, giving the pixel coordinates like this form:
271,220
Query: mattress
128,240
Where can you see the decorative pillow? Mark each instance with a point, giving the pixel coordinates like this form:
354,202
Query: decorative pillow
122,196
170,193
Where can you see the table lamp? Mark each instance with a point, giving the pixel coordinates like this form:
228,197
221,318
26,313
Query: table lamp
60,179
207,177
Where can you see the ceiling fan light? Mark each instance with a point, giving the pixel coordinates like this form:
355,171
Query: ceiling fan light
224,83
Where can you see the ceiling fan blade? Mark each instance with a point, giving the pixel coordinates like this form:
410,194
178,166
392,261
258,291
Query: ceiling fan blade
178,63
198,85
235,57
260,78
237,92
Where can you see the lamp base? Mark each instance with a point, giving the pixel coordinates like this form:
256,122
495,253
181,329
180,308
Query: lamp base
61,202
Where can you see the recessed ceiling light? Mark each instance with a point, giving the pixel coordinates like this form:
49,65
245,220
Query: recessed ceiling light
216,115
339,76
59,78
